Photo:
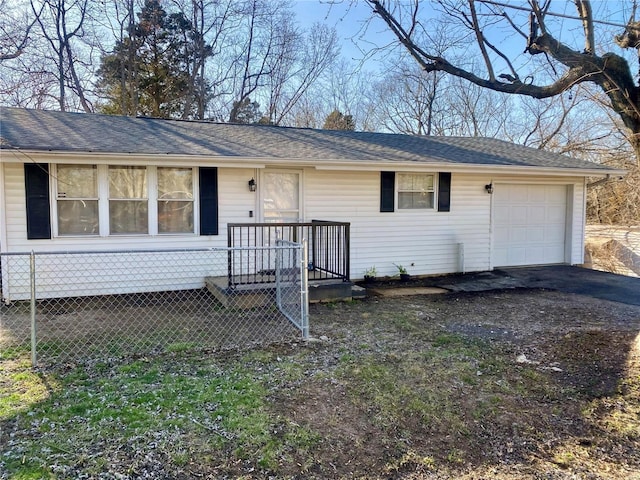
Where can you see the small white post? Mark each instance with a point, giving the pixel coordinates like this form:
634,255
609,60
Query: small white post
32,275
304,293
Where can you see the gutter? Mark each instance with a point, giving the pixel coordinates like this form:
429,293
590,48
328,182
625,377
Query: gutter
22,156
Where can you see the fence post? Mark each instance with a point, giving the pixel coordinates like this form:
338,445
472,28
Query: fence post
304,293
278,275
32,276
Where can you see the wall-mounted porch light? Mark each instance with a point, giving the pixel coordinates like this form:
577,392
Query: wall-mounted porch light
489,188
252,185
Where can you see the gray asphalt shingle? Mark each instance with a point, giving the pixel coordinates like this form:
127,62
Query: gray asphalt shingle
77,132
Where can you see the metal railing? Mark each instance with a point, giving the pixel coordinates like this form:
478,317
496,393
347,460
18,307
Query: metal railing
87,305
328,250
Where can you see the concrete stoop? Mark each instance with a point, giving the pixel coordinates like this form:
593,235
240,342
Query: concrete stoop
258,295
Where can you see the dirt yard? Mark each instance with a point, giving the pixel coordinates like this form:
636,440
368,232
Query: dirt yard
572,363
514,384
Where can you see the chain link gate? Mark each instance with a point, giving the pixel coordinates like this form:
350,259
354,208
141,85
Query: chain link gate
83,306
292,283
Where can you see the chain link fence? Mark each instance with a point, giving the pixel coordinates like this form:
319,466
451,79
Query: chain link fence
80,306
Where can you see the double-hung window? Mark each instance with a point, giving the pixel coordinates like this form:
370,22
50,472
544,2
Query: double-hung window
128,200
175,200
416,190
77,199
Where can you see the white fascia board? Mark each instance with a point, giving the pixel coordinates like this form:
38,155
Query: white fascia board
476,168
12,155
24,156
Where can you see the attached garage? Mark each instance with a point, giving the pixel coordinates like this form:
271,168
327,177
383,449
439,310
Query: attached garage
529,224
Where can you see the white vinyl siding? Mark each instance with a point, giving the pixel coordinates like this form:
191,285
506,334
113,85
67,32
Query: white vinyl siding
425,241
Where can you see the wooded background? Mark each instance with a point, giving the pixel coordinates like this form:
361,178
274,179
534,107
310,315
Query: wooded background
561,76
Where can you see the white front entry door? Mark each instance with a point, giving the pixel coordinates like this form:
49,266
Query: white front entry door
529,224
281,194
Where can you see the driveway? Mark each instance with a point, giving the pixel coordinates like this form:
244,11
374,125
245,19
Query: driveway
561,278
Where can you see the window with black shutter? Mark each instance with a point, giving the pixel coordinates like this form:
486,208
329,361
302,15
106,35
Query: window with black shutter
36,179
208,201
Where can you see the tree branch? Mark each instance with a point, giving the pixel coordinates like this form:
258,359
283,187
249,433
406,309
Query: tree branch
585,13
481,41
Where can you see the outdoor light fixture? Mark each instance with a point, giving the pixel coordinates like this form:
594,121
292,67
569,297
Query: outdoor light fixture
252,185
489,188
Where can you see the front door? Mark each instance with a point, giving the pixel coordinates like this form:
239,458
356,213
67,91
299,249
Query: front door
281,196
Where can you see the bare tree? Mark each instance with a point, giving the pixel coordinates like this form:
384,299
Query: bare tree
407,101
213,22
298,62
15,29
252,59
27,82
60,21
118,19
570,65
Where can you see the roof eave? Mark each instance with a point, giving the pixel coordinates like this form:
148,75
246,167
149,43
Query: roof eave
12,155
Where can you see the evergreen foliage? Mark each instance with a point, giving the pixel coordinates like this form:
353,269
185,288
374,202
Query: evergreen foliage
149,73
336,120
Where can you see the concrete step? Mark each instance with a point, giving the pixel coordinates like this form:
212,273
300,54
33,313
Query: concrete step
263,294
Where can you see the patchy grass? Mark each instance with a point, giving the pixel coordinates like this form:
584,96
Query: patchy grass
181,408
21,387
420,387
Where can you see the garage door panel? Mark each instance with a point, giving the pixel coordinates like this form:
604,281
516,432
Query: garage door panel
535,195
518,234
535,255
500,256
556,194
535,234
553,236
554,253
516,256
501,215
536,214
529,224
555,214
517,213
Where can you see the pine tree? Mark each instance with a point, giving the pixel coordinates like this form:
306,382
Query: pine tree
148,72
336,120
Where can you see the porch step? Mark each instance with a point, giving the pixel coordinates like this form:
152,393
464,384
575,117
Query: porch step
258,295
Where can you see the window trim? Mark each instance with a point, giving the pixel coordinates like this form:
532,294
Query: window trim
191,200
57,198
434,191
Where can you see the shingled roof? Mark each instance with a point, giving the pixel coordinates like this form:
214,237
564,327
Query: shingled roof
39,130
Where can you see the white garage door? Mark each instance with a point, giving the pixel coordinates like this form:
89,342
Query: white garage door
529,223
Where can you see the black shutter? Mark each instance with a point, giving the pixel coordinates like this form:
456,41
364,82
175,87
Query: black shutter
36,183
387,191
208,201
444,192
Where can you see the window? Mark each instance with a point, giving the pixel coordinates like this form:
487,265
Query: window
175,200
415,190
103,200
77,199
128,200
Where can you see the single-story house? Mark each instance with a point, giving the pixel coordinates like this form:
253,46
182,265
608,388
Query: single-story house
89,182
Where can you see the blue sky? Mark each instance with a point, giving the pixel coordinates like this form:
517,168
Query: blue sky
349,17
